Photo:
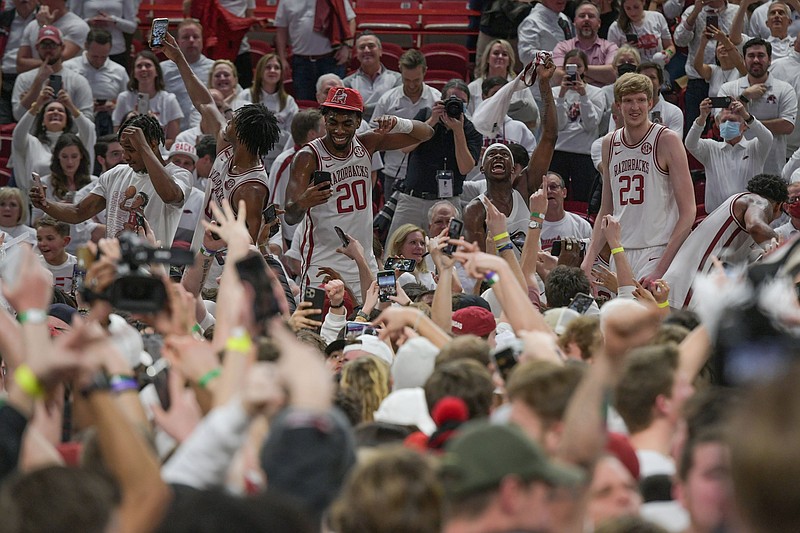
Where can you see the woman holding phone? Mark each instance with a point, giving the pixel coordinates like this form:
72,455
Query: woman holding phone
647,31
408,241
146,95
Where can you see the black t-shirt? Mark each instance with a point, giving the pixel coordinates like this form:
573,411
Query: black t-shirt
439,153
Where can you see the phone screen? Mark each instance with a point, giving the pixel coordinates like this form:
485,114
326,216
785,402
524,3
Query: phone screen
159,30
270,213
581,303
518,239
143,104
454,232
386,285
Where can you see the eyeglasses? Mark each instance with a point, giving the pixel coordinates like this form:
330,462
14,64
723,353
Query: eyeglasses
793,199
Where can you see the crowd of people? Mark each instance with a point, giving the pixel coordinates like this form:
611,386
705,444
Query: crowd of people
309,294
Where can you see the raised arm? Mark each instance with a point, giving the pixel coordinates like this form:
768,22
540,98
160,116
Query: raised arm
606,208
300,196
164,184
70,213
198,92
699,59
543,153
756,220
395,133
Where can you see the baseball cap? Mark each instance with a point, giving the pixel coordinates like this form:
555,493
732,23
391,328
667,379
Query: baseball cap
373,346
185,149
483,454
473,320
344,98
49,33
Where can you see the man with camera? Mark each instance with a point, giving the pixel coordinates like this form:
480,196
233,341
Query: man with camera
436,168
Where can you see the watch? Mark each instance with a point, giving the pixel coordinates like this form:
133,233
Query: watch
743,99
750,120
99,382
533,224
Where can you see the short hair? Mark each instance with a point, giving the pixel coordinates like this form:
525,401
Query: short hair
629,524
394,245
99,36
411,59
133,83
369,33
520,154
206,146
670,333
304,122
588,3
312,338
490,83
9,193
463,378
101,146
647,374
256,128
769,186
583,331
62,228
483,63
627,49
563,283
455,83
632,83
465,347
659,71
545,387
437,205
757,41
462,300
324,78
217,63
149,125
557,175
189,22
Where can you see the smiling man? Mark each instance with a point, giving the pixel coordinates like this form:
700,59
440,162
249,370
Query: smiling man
372,79
344,197
599,71
646,185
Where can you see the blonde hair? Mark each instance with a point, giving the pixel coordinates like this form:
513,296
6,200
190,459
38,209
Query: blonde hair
8,193
219,62
632,83
483,64
369,379
627,49
398,238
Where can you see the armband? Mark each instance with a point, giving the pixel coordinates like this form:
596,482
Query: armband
403,125
618,250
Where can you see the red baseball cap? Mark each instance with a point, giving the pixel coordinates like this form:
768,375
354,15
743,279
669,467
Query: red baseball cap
49,33
473,320
344,98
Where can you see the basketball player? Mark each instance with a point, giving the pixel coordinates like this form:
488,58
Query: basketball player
730,232
342,194
238,172
646,185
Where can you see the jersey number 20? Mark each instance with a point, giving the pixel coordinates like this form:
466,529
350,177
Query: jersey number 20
631,189
353,196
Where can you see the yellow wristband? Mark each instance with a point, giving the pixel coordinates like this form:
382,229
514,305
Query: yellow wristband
28,381
662,305
501,236
615,251
239,342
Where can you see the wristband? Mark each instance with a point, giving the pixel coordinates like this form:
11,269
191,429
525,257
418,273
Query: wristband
491,277
403,125
662,305
508,246
618,250
239,341
32,316
121,384
206,252
197,328
337,306
208,377
28,382
501,236
534,214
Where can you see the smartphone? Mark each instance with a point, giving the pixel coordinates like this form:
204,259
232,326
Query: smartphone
158,31
317,299
342,236
723,102
712,20
398,263
555,251
270,213
505,360
140,220
143,103
631,38
37,182
322,176
253,271
354,329
580,303
453,232
386,285
56,83
655,117
518,239
572,72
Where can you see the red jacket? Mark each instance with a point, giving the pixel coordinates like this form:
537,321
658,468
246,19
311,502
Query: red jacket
222,30
330,19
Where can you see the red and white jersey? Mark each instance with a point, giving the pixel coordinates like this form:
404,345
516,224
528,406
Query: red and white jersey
722,235
644,201
350,208
221,186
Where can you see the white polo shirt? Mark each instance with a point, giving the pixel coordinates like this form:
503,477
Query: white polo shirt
107,82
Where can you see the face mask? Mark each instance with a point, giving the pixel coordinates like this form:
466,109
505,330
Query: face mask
729,130
793,209
624,68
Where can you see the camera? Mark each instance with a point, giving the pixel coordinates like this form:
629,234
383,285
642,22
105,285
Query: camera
453,106
383,220
135,290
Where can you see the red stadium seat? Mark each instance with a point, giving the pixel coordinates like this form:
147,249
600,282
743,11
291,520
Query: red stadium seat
391,21
447,56
307,104
454,20
438,78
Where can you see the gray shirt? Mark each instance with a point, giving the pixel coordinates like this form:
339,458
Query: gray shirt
372,90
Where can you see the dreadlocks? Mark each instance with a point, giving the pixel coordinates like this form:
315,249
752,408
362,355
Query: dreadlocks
256,128
149,125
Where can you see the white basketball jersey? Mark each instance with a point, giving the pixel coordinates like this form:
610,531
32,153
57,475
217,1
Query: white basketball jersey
221,186
350,208
722,235
644,201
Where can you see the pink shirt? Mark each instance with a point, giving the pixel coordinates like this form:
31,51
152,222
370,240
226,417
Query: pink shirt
601,52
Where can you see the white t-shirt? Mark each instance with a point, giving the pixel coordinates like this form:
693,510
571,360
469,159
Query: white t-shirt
720,76
164,106
72,28
651,31
107,82
62,274
578,119
129,193
298,17
787,230
570,226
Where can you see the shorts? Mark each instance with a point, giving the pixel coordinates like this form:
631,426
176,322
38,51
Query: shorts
643,261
